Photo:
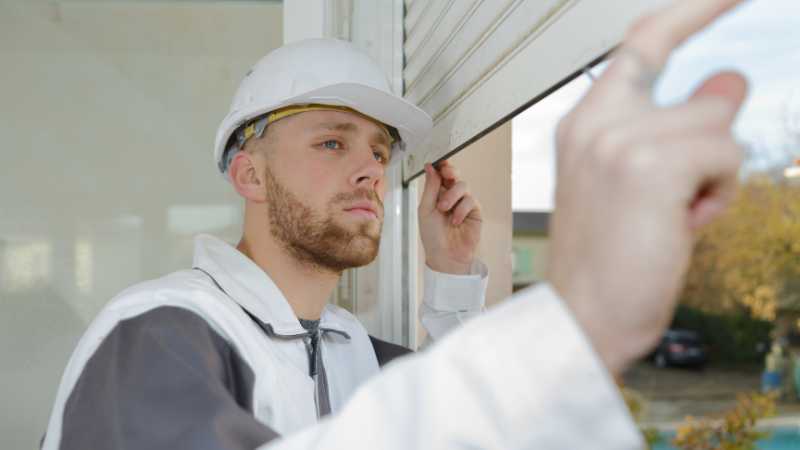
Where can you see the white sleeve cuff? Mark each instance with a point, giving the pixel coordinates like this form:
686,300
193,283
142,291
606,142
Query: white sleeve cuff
457,293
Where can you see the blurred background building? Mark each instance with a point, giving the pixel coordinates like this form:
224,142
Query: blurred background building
530,247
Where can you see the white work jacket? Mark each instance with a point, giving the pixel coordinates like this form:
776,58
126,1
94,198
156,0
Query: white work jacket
214,358
523,376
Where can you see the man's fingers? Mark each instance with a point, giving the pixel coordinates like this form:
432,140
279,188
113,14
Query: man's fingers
430,194
728,85
465,207
625,88
712,165
707,209
450,175
453,195
646,182
656,36
721,159
714,197
700,115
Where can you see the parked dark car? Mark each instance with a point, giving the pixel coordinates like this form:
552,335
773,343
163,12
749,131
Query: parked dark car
680,347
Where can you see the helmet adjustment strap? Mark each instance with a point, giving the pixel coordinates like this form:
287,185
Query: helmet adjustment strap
255,127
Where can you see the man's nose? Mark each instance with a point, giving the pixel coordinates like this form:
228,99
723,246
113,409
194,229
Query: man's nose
368,170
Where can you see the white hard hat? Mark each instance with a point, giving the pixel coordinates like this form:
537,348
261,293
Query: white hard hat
315,72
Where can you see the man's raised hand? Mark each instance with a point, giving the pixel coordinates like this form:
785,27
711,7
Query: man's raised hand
635,181
450,220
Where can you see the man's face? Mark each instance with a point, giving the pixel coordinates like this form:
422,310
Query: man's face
326,183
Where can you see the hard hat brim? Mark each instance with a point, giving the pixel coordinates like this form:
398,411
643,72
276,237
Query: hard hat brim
411,122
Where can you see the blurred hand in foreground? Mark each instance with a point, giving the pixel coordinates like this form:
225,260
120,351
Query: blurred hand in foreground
635,182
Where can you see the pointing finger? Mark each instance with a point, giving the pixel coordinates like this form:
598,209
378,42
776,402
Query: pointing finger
627,84
655,37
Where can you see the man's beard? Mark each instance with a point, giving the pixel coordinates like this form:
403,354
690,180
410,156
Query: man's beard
319,242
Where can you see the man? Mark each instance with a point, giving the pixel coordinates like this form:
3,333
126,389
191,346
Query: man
244,347
634,182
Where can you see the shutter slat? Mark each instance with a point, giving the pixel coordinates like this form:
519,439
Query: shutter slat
415,14
493,41
448,36
429,21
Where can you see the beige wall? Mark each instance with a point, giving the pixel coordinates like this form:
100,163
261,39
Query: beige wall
108,113
486,166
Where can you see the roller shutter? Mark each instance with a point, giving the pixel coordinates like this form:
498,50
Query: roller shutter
474,64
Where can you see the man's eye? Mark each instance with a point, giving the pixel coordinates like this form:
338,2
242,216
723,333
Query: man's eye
378,157
330,144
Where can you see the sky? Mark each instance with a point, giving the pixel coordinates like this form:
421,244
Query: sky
760,39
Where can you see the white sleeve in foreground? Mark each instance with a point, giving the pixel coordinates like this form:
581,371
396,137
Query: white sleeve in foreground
451,300
522,376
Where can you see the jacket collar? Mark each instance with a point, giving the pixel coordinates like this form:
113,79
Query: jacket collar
251,287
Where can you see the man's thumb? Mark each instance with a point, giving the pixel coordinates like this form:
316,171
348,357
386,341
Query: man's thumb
728,85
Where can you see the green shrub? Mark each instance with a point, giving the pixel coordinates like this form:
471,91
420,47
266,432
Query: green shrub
733,339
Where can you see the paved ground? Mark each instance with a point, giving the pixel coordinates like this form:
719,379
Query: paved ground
673,392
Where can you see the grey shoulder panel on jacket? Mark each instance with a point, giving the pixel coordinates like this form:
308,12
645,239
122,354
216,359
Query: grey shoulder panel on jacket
163,379
386,351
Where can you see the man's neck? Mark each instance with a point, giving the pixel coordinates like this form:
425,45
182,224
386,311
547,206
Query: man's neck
306,288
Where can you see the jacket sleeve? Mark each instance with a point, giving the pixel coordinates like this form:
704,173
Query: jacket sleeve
522,376
163,380
451,300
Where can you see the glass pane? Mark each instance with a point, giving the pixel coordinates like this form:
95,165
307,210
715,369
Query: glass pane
108,112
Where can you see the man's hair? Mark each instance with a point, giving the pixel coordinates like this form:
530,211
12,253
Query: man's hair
264,143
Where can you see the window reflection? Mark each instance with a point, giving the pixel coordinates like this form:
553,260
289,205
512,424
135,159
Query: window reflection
27,261
190,220
83,266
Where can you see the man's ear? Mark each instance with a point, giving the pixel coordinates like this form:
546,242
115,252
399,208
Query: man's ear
246,173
